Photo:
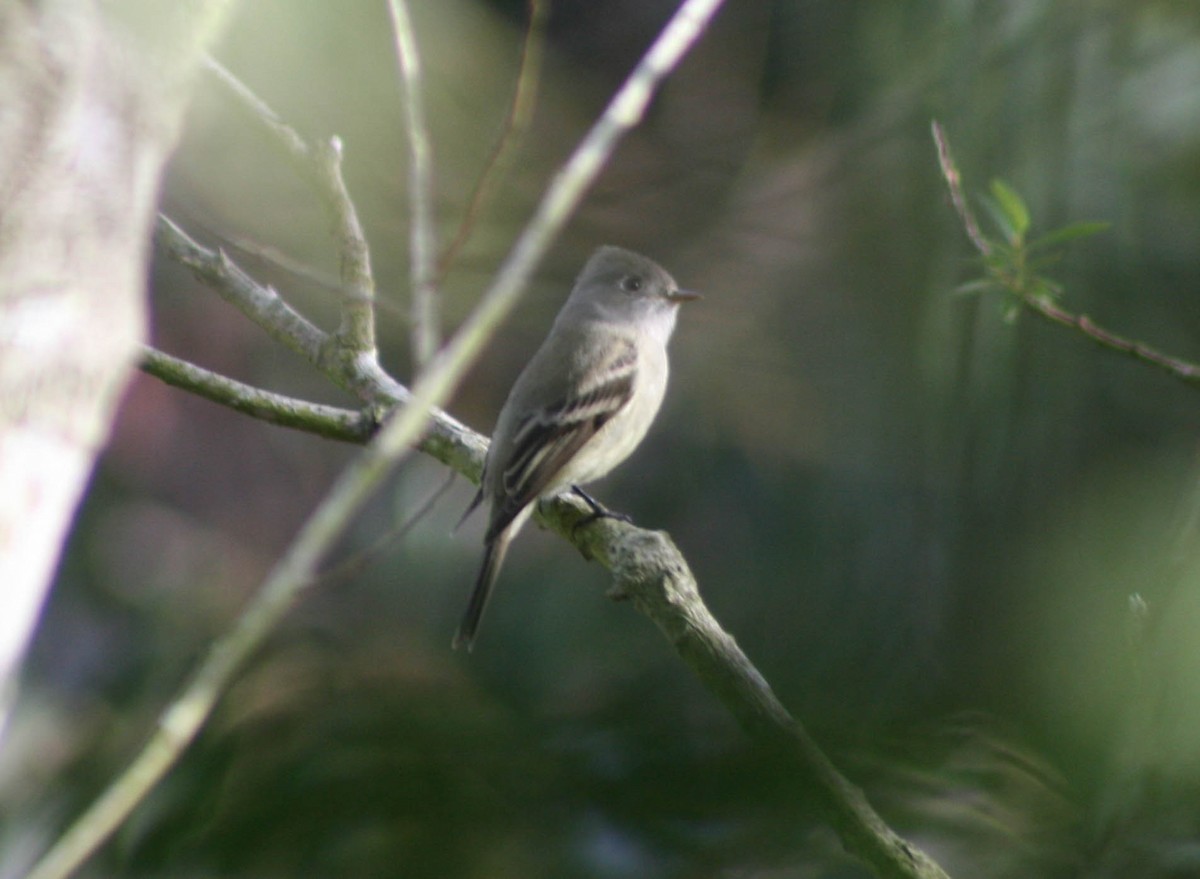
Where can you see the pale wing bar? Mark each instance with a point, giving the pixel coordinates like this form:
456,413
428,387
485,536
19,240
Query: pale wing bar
548,439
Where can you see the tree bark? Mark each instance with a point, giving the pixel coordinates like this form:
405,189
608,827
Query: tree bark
90,115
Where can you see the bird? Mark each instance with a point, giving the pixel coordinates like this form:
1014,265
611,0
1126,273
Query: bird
580,406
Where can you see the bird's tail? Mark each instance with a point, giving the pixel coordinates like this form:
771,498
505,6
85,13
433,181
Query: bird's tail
494,552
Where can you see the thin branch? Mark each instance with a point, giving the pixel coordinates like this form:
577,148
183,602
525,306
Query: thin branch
1180,369
954,182
278,259
356,335
260,303
516,122
355,564
1043,306
330,422
297,148
426,333
321,167
360,375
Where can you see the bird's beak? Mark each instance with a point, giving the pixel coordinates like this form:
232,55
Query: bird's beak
683,296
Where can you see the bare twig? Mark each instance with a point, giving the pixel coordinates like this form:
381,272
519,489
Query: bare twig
355,564
954,182
260,303
278,259
1181,369
1044,306
360,375
426,333
321,167
297,148
330,422
356,335
516,122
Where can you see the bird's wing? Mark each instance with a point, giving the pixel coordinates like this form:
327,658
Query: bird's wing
547,438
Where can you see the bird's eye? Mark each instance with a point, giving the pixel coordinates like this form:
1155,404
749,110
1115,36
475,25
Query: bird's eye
631,284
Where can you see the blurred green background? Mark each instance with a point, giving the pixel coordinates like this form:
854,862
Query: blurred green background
963,549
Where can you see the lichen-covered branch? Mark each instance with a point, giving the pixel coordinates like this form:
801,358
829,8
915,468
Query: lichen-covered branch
259,302
330,422
649,570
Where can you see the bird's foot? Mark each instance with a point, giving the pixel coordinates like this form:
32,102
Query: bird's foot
599,511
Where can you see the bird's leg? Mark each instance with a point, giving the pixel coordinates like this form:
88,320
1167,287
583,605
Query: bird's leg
599,511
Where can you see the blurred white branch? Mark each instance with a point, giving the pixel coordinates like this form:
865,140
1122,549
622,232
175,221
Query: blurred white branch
423,244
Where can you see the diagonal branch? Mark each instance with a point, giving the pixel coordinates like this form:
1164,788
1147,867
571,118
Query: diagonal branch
362,376
1181,369
954,182
650,570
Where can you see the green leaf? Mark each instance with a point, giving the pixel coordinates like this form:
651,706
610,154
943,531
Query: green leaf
1000,218
1013,208
1070,233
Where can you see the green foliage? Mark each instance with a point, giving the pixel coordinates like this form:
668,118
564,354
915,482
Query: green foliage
1012,264
1009,211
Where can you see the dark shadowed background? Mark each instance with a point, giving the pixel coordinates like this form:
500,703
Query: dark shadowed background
963,548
